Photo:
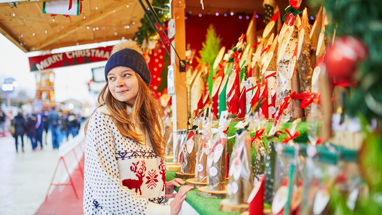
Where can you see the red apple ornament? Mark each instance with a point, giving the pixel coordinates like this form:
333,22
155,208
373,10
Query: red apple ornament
342,57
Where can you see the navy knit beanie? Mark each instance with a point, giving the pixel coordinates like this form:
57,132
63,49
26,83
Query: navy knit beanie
129,58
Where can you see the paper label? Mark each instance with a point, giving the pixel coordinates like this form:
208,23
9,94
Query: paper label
213,171
210,158
190,145
321,201
218,152
235,187
280,199
229,189
223,119
200,167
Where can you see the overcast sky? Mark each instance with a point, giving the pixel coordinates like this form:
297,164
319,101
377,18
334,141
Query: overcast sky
70,82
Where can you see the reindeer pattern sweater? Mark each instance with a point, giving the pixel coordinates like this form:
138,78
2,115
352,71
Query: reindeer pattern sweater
121,176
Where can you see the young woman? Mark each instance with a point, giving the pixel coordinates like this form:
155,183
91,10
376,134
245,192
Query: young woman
125,171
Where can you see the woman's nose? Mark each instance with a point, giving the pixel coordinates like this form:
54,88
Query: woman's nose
120,81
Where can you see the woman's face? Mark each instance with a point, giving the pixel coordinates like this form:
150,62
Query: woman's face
123,84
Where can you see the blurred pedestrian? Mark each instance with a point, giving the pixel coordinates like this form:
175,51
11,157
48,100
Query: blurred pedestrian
46,126
2,121
39,127
31,130
19,125
54,127
71,124
63,128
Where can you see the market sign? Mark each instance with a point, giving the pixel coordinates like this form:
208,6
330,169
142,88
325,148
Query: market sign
72,58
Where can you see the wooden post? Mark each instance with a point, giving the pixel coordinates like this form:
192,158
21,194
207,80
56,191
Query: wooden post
180,102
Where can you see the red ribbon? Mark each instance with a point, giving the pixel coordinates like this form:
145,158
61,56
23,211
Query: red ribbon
256,44
265,49
319,141
284,106
307,98
270,75
70,4
290,137
259,133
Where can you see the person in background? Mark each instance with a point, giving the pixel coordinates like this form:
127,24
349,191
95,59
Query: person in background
2,121
54,127
63,127
31,130
39,127
79,121
19,124
71,124
46,126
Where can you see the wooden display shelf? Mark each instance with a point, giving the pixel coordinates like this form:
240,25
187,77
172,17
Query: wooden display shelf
212,194
184,175
169,158
173,167
266,212
227,206
195,183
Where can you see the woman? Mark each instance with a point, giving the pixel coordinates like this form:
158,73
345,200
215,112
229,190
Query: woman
125,171
19,124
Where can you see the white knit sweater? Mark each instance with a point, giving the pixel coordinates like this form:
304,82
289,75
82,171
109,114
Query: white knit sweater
121,176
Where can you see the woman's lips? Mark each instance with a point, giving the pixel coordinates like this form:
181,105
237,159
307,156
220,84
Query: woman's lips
121,92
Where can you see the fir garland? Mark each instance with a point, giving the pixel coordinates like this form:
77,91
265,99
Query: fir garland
146,30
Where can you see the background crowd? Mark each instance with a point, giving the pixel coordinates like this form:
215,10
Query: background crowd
36,125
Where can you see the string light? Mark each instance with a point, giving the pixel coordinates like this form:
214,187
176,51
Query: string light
232,13
247,17
217,14
46,32
200,15
240,17
96,8
97,28
84,17
257,16
53,19
225,14
127,6
87,27
21,35
93,29
33,34
13,14
133,23
115,33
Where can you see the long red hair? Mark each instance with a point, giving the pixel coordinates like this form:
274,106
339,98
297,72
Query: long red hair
144,116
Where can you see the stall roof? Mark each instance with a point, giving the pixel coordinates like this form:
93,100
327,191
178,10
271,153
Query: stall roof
101,20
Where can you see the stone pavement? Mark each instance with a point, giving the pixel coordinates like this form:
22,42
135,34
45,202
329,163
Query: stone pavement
24,177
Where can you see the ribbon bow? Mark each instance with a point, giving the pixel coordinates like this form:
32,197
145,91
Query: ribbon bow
290,137
256,44
284,106
307,98
289,10
265,50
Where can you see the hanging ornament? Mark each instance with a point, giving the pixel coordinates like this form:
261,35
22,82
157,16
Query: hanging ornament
342,57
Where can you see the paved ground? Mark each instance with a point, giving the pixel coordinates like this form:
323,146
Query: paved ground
24,177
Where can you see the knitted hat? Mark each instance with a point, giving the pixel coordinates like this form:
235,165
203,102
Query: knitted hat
129,58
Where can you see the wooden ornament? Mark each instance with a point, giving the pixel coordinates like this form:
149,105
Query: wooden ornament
195,183
271,27
304,68
184,175
314,34
226,206
201,162
173,167
212,194
216,162
218,59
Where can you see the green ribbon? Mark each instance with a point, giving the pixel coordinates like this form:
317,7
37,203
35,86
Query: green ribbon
289,10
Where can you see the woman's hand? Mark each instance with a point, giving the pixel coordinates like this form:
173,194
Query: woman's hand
169,187
176,204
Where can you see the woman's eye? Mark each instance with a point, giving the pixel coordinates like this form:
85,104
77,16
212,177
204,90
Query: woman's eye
126,75
111,78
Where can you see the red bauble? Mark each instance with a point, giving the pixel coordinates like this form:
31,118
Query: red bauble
342,57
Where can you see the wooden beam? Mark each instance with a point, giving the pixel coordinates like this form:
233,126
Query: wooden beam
56,46
180,77
4,3
8,35
77,25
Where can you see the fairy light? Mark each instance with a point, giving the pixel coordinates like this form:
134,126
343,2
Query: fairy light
46,32
96,8
247,17
232,13
200,15
13,14
127,6
217,14
93,29
53,20
33,34
240,17
257,16
84,17
97,28
225,14
115,33
87,27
